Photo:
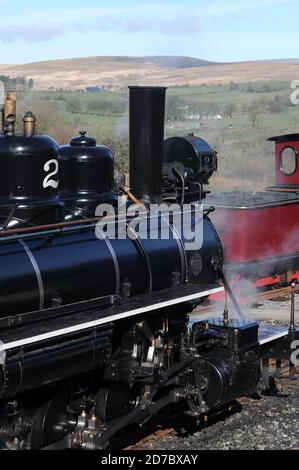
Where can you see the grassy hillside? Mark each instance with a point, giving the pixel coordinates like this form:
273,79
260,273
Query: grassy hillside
171,71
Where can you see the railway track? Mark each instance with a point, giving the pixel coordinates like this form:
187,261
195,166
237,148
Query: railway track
271,294
180,425
156,435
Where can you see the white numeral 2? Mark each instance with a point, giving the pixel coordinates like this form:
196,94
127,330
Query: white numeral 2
47,181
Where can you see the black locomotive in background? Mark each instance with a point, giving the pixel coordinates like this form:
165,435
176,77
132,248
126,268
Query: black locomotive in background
94,333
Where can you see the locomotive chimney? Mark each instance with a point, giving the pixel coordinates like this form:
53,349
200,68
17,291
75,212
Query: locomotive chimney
29,121
9,108
147,119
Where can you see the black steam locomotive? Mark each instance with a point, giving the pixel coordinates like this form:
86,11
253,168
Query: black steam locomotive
94,332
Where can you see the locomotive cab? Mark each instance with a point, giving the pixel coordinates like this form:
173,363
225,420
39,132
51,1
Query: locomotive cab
287,164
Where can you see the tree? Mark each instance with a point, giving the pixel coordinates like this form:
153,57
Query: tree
253,113
73,105
175,109
15,84
275,107
233,86
229,109
255,109
266,88
206,109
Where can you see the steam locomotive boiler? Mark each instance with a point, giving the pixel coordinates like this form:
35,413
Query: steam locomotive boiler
94,330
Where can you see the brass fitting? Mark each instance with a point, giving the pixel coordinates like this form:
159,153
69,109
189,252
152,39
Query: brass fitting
29,121
225,316
9,108
9,125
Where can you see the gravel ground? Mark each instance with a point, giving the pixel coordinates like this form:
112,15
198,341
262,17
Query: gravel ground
273,311
267,312
271,422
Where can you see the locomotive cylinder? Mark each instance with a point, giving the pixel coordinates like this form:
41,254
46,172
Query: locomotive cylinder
147,115
41,366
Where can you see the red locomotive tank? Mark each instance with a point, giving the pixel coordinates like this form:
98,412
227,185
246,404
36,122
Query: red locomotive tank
260,231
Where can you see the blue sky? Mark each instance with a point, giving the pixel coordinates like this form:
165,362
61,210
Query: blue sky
219,30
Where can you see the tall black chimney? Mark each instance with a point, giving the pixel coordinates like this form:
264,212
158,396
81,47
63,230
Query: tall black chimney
147,120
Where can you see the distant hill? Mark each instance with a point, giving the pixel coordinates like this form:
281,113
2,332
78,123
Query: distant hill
118,71
176,62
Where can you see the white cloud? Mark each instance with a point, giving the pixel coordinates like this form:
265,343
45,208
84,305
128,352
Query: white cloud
164,19
30,32
219,8
214,8
71,15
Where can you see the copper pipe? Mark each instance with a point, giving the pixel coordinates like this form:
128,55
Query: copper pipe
135,199
57,225
49,226
72,222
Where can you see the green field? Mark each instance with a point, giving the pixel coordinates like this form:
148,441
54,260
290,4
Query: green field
258,111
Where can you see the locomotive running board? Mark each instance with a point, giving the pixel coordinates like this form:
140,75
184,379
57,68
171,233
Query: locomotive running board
85,320
269,339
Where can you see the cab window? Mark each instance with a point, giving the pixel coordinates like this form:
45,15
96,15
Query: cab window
288,161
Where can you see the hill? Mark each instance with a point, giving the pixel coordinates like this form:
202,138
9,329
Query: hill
150,70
